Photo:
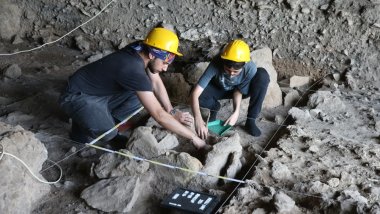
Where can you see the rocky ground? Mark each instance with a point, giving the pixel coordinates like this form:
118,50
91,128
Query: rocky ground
320,148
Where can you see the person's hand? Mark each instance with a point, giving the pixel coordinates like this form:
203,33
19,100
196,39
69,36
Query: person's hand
232,119
201,129
198,143
184,117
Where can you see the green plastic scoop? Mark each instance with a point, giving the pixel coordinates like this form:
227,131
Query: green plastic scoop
217,127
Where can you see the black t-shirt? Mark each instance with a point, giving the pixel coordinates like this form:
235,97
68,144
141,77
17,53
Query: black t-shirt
113,74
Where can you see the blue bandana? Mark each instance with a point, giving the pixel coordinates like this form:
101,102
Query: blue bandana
163,55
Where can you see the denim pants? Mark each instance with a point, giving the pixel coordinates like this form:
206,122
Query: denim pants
94,115
257,89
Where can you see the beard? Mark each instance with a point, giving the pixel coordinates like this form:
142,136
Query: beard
151,68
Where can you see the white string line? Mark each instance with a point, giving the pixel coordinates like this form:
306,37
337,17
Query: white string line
165,165
144,159
60,38
2,153
117,126
197,172
262,151
66,157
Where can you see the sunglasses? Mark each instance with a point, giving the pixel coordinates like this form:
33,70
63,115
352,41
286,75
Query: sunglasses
234,65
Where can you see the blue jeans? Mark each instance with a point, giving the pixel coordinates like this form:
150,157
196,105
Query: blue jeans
257,90
94,115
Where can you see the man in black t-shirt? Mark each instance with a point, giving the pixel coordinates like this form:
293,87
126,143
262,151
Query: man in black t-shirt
115,86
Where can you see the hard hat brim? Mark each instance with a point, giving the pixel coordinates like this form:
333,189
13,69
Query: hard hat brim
234,60
178,54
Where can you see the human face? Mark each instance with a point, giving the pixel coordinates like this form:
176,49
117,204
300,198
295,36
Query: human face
157,65
231,71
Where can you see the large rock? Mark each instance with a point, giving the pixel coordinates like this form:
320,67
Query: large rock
298,81
283,203
327,102
176,177
116,194
349,200
223,160
10,16
263,58
113,165
144,144
19,191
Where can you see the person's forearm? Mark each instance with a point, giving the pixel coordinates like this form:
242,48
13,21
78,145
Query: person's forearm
195,108
152,105
162,96
237,97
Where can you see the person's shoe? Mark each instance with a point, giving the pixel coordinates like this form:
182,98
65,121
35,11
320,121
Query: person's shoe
118,142
251,127
78,135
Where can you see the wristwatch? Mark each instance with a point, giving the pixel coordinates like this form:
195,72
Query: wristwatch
173,111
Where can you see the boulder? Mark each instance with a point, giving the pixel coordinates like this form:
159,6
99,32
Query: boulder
223,160
263,58
113,165
143,143
172,176
10,17
19,191
118,194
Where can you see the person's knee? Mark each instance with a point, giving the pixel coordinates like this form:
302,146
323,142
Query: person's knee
262,76
209,103
205,101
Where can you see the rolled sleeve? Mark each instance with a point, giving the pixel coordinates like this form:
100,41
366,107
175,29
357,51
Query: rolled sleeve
210,72
250,71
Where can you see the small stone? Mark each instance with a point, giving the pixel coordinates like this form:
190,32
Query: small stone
324,7
333,182
73,149
305,10
283,203
336,76
313,149
69,185
259,211
88,152
13,71
280,171
279,119
95,57
17,40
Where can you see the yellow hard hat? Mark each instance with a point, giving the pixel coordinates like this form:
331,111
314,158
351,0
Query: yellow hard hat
237,51
163,39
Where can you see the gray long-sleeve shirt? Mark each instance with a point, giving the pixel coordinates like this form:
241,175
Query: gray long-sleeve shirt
216,75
